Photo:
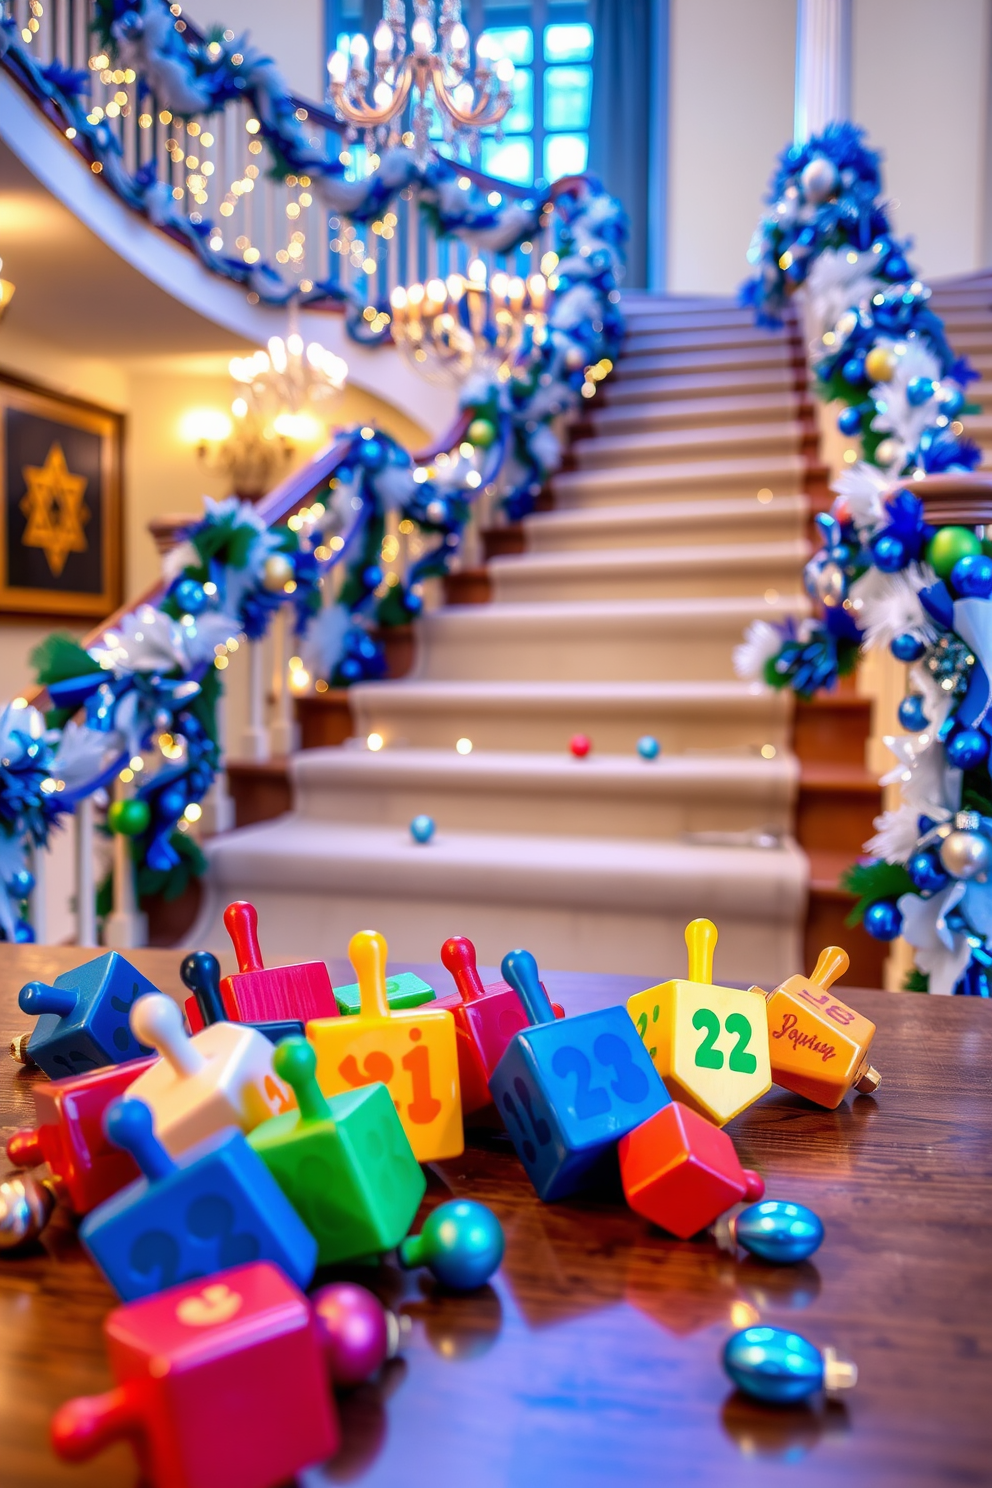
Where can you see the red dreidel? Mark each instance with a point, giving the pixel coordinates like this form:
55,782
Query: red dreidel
256,995
220,1384
200,972
486,1018
85,1167
681,1171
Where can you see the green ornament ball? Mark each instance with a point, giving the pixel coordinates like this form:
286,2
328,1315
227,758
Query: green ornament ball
129,818
481,433
949,545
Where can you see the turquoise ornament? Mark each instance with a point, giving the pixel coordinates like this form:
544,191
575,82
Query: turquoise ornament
190,597
648,747
773,1229
782,1368
461,1245
422,828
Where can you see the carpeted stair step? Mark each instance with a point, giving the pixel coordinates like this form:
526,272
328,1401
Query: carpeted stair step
729,519
690,413
676,480
658,448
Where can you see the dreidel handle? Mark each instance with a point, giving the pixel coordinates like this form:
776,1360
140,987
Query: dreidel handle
128,1124
36,998
157,1022
200,972
831,963
83,1427
295,1061
520,969
701,938
367,952
458,957
241,920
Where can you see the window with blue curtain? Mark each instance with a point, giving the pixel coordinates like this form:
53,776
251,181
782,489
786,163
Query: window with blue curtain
550,42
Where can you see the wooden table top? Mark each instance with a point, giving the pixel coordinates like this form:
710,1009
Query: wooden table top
594,1357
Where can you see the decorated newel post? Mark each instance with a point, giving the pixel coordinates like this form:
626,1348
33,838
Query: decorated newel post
905,562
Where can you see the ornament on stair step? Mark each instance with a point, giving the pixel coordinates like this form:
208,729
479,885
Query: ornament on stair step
579,745
782,1368
648,747
422,828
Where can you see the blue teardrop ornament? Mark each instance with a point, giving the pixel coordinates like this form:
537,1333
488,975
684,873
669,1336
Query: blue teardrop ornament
778,1231
774,1365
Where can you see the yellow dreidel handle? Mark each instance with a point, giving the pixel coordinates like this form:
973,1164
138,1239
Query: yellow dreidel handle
831,963
367,952
701,937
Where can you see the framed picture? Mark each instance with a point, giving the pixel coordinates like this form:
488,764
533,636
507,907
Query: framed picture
60,533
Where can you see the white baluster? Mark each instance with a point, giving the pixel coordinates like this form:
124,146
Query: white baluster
823,65
125,927
284,730
255,738
39,895
219,814
85,885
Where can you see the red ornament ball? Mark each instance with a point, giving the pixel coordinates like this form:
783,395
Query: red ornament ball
580,745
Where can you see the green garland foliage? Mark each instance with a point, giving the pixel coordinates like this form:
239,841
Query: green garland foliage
871,881
916,981
55,659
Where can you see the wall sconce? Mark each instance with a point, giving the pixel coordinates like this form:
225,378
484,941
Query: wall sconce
6,293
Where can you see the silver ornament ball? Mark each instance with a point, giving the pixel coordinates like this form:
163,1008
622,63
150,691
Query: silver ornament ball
830,583
25,1209
887,451
966,854
819,179
277,572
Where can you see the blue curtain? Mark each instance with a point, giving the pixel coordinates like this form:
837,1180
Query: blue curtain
621,112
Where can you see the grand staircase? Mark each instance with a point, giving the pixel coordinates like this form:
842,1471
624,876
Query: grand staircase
680,516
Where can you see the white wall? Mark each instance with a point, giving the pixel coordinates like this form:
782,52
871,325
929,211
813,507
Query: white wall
291,33
920,79
730,112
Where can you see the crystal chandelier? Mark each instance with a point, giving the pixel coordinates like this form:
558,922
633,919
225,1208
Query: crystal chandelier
284,388
463,325
434,69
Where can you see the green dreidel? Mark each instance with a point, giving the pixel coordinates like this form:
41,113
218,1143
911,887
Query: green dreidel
345,1164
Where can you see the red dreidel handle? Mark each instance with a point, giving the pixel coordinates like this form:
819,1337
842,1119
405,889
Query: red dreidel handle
458,957
83,1427
241,920
24,1148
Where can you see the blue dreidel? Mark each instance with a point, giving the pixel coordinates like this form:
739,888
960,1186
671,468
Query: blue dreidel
83,1018
461,1244
216,1206
773,1229
200,972
569,1089
781,1367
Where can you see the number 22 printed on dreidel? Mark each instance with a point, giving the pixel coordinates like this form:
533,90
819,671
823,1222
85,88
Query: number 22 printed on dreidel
411,1051
709,1044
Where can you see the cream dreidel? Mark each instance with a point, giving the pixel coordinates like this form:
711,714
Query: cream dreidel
220,1077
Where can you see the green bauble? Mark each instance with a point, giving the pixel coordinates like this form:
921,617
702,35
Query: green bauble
481,433
129,818
948,545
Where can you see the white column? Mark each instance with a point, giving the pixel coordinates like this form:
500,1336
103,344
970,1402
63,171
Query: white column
283,733
219,805
255,738
85,885
125,927
823,65
39,895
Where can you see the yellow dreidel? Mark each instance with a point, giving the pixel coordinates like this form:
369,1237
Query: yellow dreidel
819,1045
412,1051
709,1044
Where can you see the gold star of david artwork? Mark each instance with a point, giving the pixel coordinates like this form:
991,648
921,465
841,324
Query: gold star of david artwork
55,510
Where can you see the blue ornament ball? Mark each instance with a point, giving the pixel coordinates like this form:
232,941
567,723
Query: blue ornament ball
190,597
372,453
648,747
23,933
883,920
422,828
967,749
853,370
907,648
461,1244
952,402
911,714
21,884
918,390
350,669
924,868
897,267
774,1365
889,553
372,576
778,1231
849,420
971,576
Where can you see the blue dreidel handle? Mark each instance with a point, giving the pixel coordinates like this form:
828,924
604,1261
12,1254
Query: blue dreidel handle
200,972
36,998
520,969
128,1124
780,1367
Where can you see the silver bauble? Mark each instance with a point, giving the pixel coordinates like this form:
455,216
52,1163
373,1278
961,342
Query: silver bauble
819,179
887,451
25,1208
830,583
966,854
277,572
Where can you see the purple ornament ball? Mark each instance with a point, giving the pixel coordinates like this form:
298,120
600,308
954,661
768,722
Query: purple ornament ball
353,1330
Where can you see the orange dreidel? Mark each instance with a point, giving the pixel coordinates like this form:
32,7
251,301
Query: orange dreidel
486,1018
819,1046
709,1044
255,994
682,1172
411,1051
